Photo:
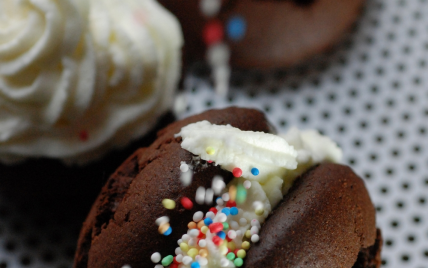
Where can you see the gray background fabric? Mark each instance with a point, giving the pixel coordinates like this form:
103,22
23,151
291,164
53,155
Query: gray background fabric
370,94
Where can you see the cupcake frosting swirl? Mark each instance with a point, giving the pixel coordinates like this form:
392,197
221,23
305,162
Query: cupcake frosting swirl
78,77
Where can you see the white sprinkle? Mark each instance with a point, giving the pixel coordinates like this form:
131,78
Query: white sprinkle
247,184
255,222
218,184
221,217
178,251
198,216
184,167
219,208
243,221
224,262
225,197
128,266
187,260
202,261
218,55
202,243
254,230
210,215
255,238
239,233
234,225
185,237
179,258
179,241
209,195
194,232
192,242
231,234
162,220
220,202
186,178
257,205
156,257
210,8
159,266
200,195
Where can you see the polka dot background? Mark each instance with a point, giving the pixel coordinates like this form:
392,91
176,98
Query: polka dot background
370,94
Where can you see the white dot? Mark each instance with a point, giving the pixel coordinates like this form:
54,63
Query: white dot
159,266
202,243
202,261
192,242
210,215
186,178
224,262
162,220
200,195
218,54
255,222
156,257
184,167
185,237
209,195
239,233
221,217
231,234
126,266
234,225
243,221
179,258
210,8
178,251
187,260
225,197
247,184
220,202
255,238
218,184
198,216
254,230
195,232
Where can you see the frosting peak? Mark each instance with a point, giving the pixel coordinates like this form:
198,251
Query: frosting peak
80,76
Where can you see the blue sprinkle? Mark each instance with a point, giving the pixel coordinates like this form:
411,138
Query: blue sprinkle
208,221
236,28
255,171
226,211
234,211
195,265
221,234
168,232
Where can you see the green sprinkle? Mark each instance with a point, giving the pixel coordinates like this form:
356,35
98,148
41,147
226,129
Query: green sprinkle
225,226
241,194
230,256
168,260
238,262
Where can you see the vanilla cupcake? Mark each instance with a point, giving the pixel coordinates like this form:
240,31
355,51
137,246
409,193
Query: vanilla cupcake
79,78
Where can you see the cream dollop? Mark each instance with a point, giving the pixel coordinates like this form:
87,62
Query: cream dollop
78,77
230,147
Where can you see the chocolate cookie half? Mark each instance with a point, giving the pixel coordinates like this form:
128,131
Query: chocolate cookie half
325,218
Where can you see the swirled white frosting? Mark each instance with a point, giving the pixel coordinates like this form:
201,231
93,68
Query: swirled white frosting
78,77
279,160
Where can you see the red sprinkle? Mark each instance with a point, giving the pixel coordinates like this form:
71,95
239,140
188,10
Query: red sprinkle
213,210
186,203
83,135
201,235
217,241
237,172
216,227
228,239
230,204
210,161
213,32
173,265
236,251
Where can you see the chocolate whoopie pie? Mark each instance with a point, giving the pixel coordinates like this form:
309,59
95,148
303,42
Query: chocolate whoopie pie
267,33
326,218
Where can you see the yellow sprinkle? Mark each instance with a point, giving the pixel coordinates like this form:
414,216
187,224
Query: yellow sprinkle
231,245
245,245
163,228
224,243
210,150
191,225
260,211
192,253
203,253
223,249
168,203
204,229
241,253
232,192
201,224
248,234
184,247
